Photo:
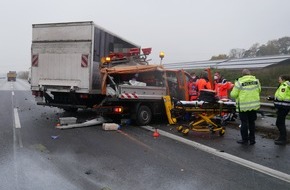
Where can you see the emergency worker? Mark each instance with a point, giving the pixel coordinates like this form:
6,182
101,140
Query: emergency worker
221,86
192,87
282,104
203,82
246,92
193,76
192,90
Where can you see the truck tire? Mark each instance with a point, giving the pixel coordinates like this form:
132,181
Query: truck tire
144,115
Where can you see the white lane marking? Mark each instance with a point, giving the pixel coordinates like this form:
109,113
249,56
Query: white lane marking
12,93
17,134
268,171
16,119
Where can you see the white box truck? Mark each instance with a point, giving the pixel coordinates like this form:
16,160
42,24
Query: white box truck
65,62
67,71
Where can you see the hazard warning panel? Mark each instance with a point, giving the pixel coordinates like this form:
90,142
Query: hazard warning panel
84,62
34,60
128,96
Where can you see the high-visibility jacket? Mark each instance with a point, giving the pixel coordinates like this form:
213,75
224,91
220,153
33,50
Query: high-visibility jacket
203,84
192,90
246,91
221,87
282,95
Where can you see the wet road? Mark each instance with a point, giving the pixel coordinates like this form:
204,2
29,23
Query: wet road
36,155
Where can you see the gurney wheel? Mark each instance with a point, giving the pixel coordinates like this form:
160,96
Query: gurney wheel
222,132
224,123
211,129
179,128
185,131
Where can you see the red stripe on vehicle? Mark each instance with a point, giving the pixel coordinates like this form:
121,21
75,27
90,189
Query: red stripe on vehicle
135,95
129,96
84,62
34,61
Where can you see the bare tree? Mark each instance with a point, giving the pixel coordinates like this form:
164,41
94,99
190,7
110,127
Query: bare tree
219,57
252,52
236,53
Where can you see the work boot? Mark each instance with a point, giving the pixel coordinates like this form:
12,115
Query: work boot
280,142
242,142
252,142
278,139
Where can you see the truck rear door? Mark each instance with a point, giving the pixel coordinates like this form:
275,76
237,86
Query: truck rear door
61,55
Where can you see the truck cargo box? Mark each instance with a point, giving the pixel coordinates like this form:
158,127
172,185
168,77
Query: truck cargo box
66,56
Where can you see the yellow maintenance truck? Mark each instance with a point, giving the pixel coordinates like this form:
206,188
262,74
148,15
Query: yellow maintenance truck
11,76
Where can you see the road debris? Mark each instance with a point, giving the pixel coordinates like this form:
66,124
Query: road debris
111,126
67,120
65,124
54,137
88,172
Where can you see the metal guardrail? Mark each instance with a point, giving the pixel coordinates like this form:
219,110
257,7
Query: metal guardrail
268,108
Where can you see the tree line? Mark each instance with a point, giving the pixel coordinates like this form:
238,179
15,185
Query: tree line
272,47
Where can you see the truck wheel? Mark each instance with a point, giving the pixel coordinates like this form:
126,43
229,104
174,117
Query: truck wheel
144,115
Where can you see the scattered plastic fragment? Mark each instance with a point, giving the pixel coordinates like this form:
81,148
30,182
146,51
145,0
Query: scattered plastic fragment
54,137
110,126
88,172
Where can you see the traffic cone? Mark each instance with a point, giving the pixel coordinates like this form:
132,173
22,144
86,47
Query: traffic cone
156,134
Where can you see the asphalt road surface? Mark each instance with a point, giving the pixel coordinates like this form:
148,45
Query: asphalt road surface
35,155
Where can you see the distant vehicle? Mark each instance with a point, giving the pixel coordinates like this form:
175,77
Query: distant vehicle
11,76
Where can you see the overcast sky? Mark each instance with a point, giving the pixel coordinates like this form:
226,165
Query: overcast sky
186,30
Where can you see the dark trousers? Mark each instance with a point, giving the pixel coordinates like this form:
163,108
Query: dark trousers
280,122
248,125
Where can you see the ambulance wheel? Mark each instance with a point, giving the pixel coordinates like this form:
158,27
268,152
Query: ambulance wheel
185,132
222,132
179,128
144,115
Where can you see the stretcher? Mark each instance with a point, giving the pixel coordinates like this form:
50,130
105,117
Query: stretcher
201,116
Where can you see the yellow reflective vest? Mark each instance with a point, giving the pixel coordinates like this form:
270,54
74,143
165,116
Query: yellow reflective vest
282,95
246,92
